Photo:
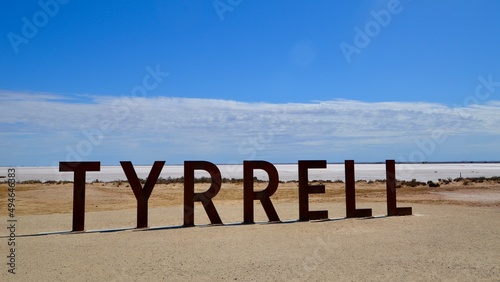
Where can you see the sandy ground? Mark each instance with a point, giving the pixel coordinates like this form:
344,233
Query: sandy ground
454,234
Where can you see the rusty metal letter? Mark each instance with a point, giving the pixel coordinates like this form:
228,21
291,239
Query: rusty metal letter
392,209
206,197
305,189
142,194
350,194
249,195
79,169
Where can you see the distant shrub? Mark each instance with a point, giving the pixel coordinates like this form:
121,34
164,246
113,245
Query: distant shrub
31,181
412,183
477,179
322,181
480,179
169,180
445,181
432,184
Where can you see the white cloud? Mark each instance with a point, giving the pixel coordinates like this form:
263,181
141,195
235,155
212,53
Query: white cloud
181,128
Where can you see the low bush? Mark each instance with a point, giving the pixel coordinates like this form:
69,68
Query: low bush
432,184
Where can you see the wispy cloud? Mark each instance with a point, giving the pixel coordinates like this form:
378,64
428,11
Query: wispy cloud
42,128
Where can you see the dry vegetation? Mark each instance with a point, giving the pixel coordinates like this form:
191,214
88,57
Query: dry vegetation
34,197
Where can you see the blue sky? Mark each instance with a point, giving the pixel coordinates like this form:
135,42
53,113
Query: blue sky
230,80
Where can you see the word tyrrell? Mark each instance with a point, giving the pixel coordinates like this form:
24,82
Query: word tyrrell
142,194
